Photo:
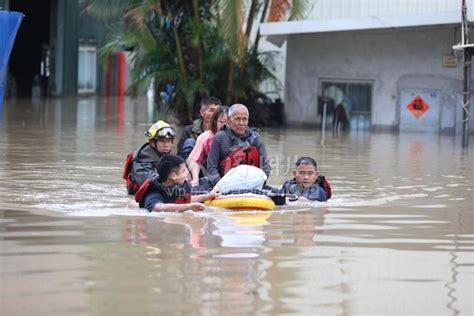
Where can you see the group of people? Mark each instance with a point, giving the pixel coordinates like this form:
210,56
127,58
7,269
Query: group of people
217,142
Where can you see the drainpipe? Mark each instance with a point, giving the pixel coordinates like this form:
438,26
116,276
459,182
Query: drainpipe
466,97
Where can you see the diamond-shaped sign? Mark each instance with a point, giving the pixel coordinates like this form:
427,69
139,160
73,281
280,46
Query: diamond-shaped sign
418,107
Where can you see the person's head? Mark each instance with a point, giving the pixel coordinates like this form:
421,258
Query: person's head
219,118
160,136
306,171
173,167
208,106
238,118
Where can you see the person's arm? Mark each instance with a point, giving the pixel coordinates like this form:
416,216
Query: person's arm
264,164
213,160
154,202
182,138
193,166
170,207
204,197
284,187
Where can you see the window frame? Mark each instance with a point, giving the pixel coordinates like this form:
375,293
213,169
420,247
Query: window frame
88,49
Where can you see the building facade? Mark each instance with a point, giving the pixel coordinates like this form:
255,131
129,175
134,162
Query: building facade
56,50
389,65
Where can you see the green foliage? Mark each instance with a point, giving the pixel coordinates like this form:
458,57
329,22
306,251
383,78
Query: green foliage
197,46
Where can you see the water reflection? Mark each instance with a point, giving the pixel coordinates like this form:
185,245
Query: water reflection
196,226
241,230
400,223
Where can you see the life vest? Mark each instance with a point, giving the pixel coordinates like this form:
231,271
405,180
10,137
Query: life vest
320,190
243,152
247,155
177,194
145,155
132,185
327,186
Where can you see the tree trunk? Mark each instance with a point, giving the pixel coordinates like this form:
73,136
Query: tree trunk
230,84
199,45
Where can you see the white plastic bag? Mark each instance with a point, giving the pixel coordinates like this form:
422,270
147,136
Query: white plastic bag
243,177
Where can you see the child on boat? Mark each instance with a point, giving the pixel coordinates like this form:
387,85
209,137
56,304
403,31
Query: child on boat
307,183
169,192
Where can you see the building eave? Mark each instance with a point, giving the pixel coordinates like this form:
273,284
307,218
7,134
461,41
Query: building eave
277,32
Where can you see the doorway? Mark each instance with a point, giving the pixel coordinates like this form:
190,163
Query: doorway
354,97
30,57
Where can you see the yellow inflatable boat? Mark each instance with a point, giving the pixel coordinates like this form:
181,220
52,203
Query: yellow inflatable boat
243,202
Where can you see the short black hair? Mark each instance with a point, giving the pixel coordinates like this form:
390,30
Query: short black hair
169,164
210,101
307,161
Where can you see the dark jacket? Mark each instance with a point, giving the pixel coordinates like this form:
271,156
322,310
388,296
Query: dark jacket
314,193
145,164
190,131
155,192
225,141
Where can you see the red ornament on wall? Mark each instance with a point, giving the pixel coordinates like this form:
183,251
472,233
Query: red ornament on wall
418,107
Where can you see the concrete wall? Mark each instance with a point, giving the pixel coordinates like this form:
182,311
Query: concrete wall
391,59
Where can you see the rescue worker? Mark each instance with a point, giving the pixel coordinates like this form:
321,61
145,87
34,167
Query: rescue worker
236,144
307,184
190,133
143,163
169,192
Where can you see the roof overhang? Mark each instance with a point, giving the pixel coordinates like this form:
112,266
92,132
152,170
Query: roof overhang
277,32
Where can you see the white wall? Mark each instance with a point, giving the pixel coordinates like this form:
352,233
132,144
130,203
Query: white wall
340,9
392,59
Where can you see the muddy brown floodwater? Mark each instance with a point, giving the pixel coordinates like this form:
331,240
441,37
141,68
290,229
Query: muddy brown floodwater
396,238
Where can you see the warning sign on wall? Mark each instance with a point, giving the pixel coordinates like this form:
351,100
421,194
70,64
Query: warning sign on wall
418,107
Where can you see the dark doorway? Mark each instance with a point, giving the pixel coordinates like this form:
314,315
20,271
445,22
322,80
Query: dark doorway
30,54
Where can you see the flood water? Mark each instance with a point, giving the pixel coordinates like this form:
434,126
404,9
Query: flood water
396,238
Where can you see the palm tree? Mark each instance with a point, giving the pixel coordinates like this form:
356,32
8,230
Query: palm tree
200,47
240,42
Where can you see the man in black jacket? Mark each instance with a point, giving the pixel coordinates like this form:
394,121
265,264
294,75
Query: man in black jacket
188,137
236,144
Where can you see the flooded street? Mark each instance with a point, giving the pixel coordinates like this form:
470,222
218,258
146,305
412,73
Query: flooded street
396,238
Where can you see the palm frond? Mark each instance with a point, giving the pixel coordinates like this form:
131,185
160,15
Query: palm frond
106,10
231,25
300,9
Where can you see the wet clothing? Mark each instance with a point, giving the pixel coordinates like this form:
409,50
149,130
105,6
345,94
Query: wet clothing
154,192
145,163
191,131
225,142
314,193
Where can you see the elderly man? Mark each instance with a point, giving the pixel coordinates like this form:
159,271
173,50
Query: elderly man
191,132
143,163
236,144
